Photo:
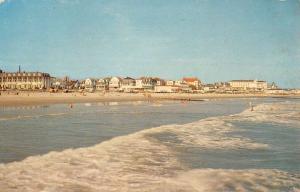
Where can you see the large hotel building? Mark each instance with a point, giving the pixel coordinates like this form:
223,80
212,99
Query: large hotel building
249,84
24,80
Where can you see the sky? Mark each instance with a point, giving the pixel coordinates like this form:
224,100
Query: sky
211,39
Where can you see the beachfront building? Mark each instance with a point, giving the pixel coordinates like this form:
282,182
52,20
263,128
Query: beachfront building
166,89
181,86
90,84
179,83
248,85
193,82
146,83
81,84
128,85
296,91
75,84
278,91
115,83
159,81
222,87
63,83
24,80
209,88
69,83
102,84
184,88
58,83
273,86
128,81
170,83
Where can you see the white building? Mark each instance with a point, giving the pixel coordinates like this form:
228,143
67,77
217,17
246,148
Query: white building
58,84
63,83
170,83
115,83
24,80
128,81
128,85
102,84
249,84
277,91
207,88
145,83
179,83
166,89
90,84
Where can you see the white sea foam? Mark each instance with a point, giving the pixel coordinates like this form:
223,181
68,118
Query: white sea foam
259,180
142,162
284,112
211,133
131,163
136,162
123,163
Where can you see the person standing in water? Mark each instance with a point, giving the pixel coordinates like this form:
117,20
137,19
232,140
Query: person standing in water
251,106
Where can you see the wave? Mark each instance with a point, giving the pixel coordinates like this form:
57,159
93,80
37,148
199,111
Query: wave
283,113
210,133
142,162
236,180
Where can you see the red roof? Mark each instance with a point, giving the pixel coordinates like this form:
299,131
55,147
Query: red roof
190,79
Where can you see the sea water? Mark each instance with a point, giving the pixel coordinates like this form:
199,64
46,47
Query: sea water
216,145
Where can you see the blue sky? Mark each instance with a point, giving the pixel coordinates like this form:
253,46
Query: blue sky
211,39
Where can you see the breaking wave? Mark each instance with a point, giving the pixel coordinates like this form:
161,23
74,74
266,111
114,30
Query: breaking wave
141,162
236,180
285,113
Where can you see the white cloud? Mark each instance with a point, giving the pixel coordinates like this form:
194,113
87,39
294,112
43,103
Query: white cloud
2,1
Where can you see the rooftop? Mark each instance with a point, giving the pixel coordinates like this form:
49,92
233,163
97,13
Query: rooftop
190,79
247,81
25,74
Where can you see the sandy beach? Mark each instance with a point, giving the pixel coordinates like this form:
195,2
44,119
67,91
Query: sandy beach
36,98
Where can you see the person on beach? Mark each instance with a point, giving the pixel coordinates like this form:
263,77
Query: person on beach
251,106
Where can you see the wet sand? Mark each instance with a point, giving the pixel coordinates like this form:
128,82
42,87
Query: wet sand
36,98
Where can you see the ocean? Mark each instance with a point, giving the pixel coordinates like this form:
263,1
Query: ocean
212,145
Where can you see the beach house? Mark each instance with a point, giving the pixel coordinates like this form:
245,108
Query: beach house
90,84
115,83
145,83
128,84
102,84
193,82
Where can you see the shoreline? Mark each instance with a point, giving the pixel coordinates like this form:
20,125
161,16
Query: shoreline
40,98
